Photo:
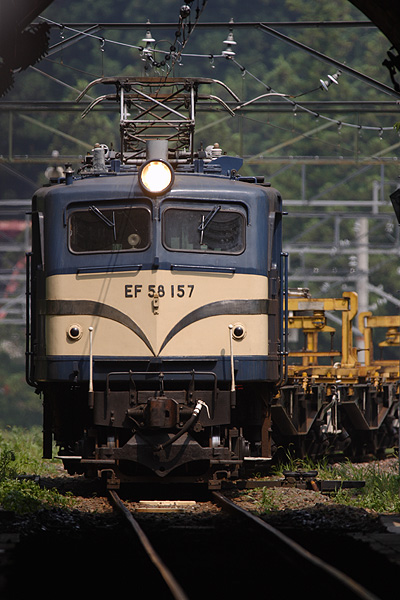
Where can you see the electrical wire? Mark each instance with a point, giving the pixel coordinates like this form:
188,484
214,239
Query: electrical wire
291,99
176,56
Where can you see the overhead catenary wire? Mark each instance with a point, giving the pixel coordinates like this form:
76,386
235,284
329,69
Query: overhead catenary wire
299,106
285,97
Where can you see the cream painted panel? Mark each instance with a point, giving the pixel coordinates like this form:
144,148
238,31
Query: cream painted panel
179,294
211,337
208,337
109,338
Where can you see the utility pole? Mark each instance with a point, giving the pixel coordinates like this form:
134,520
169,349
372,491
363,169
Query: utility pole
362,241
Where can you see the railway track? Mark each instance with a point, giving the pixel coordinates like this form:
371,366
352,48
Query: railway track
340,584
170,581
192,550
236,554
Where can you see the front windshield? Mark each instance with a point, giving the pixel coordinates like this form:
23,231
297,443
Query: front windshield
211,229
98,229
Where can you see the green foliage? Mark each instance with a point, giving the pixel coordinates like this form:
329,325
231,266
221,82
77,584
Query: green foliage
381,492
20,458
268,502
19,405
7,467
25,446
25,496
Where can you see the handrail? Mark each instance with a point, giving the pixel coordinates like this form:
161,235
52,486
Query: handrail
284,312
28,331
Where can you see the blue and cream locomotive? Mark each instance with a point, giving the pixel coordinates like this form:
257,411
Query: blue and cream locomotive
155,285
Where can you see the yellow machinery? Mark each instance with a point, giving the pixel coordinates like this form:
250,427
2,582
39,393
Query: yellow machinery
329,399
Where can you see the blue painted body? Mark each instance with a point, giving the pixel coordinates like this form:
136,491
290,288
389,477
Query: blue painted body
262,253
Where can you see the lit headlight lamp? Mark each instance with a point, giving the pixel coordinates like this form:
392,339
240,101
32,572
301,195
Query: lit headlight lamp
156,176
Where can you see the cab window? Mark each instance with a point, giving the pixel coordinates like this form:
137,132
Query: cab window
209,229
98,229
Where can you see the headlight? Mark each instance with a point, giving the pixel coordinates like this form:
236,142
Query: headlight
156,176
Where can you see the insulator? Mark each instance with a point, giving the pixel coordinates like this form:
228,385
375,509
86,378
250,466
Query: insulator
230,42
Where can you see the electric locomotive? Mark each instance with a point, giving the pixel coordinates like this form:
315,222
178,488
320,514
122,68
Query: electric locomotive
155,300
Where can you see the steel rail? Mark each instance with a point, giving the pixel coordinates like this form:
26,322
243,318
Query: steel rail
176,590
357,590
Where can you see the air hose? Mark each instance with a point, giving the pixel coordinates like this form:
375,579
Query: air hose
188,425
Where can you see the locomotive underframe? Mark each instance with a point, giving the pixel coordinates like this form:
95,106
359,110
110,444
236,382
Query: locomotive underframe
146,426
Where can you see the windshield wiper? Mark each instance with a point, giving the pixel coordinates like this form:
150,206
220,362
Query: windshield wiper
206,220
105,219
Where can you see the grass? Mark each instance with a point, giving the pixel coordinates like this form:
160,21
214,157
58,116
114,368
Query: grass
381,492
269,501
26,445
20,458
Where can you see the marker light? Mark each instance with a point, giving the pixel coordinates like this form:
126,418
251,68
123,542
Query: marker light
74,332
239,331
156,176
